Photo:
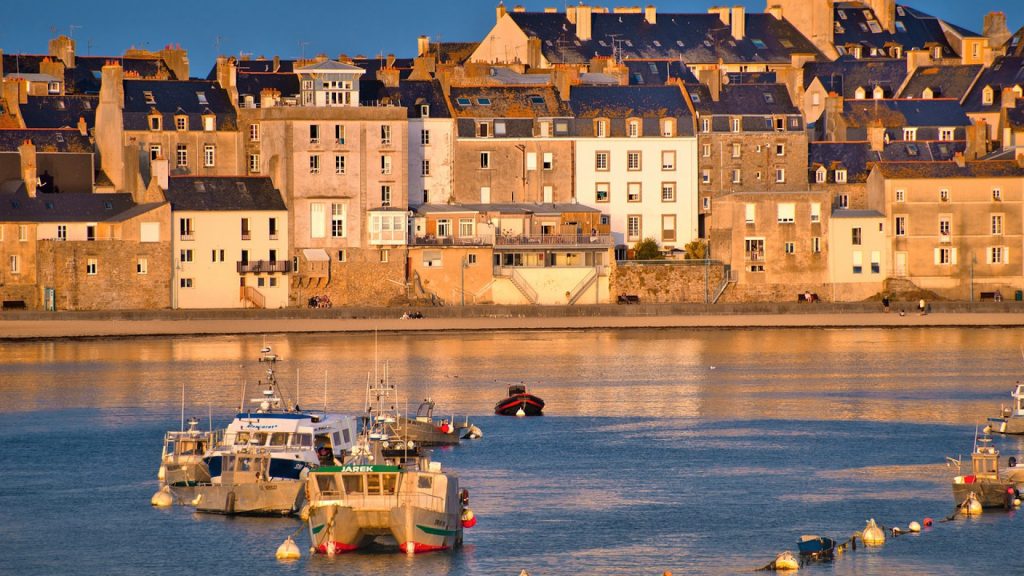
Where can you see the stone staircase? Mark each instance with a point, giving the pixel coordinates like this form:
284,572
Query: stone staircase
524,287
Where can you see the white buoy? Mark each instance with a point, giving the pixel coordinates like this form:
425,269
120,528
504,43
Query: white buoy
288,550
786,561
971,506
872,534
1016,502
161,473
914,527
163,498
520,413
410,547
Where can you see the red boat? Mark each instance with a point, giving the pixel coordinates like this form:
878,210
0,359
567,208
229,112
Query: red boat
519,403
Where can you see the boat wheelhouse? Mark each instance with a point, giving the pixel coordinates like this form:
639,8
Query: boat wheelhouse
181,461
1011,418
985,481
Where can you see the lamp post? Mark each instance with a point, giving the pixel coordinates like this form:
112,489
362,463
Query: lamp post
462,280
973,260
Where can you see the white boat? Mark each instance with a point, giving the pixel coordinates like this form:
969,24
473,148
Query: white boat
181,461
261,466
991,486
424,429
1011,418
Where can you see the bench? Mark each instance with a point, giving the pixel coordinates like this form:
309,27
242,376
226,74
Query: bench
806,297
993,296
628,299
14,305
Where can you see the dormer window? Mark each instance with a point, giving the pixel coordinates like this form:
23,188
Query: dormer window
987,96
54,88
149,97
601,128
946,134
856,51
841,176
181,122
859,93
820,175
910,134
705,124
424,110
155,122
879,93
668,128
736,124
937,53
209,122
633,128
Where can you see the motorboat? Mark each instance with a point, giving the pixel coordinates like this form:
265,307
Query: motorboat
815,547
1011,418
519,403
986,482
389,494
267,451
181,461
423,429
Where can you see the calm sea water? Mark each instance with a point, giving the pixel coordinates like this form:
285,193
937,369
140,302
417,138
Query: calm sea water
703,452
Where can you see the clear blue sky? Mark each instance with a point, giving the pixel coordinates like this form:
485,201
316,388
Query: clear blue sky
352,27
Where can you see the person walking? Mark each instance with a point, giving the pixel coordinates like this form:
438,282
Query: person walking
885,303
921,307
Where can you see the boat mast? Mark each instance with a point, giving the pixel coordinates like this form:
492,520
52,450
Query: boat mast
182,406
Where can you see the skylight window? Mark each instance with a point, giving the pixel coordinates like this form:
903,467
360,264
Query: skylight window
899,10
653,67
536,99
842,15
241,187
900,26
785,43
863,26
868,15
912,150
463,101
108,205
707,43
202,98
200,186
637,78
629,43
695,96
60,137
483,101
874,27
149,97
759,44
680,43
658,44
602,43
769,97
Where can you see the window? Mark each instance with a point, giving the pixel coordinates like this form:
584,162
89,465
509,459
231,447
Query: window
737,176
15,264
385,195
181,122
855,236
943,195
901,195
706,203
668,160
705,176
780,149
998,255
843,201
314,133
997,224
946,134
425,168
668,191
632,161
337,220
148,96
466,227
787,213
549,160
633,128
601,161
185,282
182,155
789,247
876,262
339,164
385,135
209,156
910,134
154,151
667,128
316,220
632,228
385,256
62,232
22,233
750,213
341,256
531,161
858,262
185,255
254,163
737,149
483,101
668,228
900,225
215,257
91,266
254,132
841,176
815,212
753,249
444,228
944,227
997,195
601,191
485,160
185,228
945,256
314,163
816,244
601,128
424,137
633,192
820,175
736,125
780,175
705,124
483,130
471,259
339,134
706,150
272,228
385,165
209,123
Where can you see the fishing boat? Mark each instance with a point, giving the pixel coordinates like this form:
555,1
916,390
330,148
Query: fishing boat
387,494
985,481
815,547
423,429
1011,418
181,461
261,465
519,403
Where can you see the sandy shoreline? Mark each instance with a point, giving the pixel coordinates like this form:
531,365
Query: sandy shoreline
20,329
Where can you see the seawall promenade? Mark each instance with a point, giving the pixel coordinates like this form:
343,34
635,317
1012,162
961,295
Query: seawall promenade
17,325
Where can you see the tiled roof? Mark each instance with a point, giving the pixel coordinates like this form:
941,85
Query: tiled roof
691,38
59,111
191,193
977,169
46,140
1005,72
507,102
945,81
913,29
69,207
844,75
172,97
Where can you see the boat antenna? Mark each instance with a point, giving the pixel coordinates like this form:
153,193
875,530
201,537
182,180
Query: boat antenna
209,406
241,406
296,386
182,406
325,392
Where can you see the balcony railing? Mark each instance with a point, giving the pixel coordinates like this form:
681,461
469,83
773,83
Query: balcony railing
246,236
264,266
554,240
451,241
188,236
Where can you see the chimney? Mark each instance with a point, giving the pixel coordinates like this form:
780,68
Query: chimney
977,140
29,171
160,171
570,14
227,78
112,84
995,29
722,11
959,160
739,22
388,76
885,12
565,77
876,136
519,9
916,58
83,129
277,63
1008,99
422,45
550,10
775,11
499,12
268,97
63,48
176,59
651,14
583,14
835,125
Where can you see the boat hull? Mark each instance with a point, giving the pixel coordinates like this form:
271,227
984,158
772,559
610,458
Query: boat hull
336,529
816,547
1009,425
425,433
276,498
531,405
186,474
991,494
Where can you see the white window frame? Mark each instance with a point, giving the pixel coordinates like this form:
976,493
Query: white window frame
209,155
314,163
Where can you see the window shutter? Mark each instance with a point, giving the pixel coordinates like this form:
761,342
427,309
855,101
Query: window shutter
1006,255
938,252
952,255
988,254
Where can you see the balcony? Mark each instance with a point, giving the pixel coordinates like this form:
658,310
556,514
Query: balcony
188,237
554,241
246,236
451,241
264,266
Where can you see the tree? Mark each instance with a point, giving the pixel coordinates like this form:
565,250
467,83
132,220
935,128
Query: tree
646,249
696,250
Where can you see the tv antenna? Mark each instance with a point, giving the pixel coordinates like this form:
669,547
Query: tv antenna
302,46
71,30
616,47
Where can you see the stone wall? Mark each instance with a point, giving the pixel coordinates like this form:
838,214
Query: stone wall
748,293
361,280
117,284
667,282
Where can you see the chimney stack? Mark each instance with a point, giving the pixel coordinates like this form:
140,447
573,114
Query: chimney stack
227,78
83,129
63,48
723,13
422,45
775,11
876,136
583,14
959,160
916,58
499,12
739,22
29,169
995,29
977,140
651,14
1008,99
160,171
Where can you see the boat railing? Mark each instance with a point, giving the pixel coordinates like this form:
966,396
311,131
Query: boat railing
425,501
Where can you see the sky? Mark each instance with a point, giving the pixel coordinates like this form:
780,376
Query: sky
354,27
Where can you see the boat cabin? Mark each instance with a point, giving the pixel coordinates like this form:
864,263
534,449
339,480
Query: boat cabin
1017,408
378,486
516,389
985,461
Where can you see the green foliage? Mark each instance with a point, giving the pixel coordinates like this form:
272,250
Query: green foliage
696,250
646,249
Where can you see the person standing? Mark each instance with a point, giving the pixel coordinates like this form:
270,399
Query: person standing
885,303
921,306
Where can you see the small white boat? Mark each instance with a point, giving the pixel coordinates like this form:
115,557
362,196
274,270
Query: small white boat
987,482
181,462
1011,418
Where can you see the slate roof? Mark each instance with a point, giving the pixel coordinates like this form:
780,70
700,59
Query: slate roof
754,100
84,78
508,102
918,29
1005,72
68,207
856,156
46,140
898,113
946,81
259,65
328,66
254,83
847,213
207,194
59,111
455,52
976,169
844,75
1015,116
692,38
177,97
409,93
1015,44
506,208
655,73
